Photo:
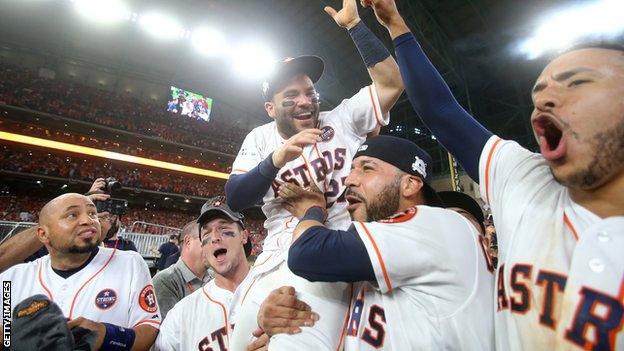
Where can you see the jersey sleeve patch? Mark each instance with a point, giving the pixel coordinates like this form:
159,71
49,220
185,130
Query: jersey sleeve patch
401,216
147,299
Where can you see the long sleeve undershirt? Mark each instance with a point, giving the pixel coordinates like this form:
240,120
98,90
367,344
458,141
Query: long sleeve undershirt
246,190
434,102
326,255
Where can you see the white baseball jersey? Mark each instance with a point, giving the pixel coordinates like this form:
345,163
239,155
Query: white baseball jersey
433,288
327,164
199,321
115,287
560,279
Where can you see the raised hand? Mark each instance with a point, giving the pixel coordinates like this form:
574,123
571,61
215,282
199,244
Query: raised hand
293,147
387,14
347,17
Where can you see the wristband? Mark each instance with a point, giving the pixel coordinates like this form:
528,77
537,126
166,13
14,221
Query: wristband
370,47
315,213
118,338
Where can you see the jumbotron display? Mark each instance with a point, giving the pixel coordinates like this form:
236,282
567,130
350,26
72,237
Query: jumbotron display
189,104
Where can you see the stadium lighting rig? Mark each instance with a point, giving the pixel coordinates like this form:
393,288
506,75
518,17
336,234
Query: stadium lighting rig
109,11
161,26
57,145
209,42
596,20
253,61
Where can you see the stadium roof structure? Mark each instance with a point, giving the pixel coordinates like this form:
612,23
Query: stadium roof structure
469,41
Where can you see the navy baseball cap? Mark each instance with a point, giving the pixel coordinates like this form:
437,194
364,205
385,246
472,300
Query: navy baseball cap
465,202
218,207
406,156
286,68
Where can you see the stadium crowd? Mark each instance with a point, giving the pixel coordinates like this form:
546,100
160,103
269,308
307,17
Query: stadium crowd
87,168
110,145
25,88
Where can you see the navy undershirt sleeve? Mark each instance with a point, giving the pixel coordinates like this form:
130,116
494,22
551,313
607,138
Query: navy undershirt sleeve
434,102
326,255
246,190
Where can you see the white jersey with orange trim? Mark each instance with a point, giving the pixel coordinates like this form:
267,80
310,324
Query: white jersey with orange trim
327,164
115,287
198,321
560,280
433,288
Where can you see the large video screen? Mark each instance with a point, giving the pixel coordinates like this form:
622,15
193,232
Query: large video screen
190,104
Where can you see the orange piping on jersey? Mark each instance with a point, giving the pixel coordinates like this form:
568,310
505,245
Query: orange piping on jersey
227,325
346,321
71,309
570,226
239,170
41,281
370,93
146,321
288,221
248,289
487,170
263,262
381,261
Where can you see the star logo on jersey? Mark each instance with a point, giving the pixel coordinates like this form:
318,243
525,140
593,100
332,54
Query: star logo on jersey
327,133
105,299
420,166
147,299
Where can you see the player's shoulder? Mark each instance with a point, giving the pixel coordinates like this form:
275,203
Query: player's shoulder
264,130
22,269
189,303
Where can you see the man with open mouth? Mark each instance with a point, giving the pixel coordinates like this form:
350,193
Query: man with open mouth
200,321
306,146
559,213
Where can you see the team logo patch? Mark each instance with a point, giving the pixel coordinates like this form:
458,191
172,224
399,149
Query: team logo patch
147,299
420,166
105,299
327,133
400,217
34,307
362,148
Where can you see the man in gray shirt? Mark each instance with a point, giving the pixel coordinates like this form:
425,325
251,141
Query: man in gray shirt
188,274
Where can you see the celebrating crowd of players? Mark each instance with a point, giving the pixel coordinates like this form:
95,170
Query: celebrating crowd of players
361,252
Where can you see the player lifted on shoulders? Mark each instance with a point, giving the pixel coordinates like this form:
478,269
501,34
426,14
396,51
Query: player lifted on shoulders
559,214
305,146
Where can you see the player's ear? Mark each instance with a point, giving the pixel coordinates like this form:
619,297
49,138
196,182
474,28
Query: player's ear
269,106
244,236
411,185
42,234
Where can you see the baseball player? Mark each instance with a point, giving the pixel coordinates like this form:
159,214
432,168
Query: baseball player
106,290
304,146
559,213
200,321
423,275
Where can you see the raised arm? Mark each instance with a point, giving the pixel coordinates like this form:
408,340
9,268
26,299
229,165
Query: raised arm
432,99
382,68
18,247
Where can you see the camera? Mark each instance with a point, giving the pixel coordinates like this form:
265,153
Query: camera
111,184
113,206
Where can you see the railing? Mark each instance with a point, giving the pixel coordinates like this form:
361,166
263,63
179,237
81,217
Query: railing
145,243
10,228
